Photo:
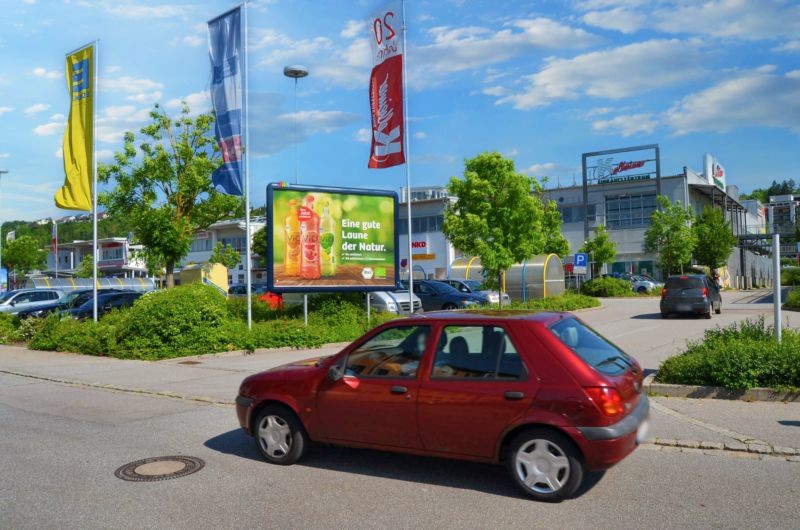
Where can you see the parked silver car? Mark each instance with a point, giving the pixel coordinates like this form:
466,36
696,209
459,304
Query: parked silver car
645,284
22,299
393,302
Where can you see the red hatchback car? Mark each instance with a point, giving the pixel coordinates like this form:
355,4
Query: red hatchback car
540,392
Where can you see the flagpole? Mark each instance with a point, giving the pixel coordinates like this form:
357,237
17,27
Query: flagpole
248,257
94,180
408,165
55,245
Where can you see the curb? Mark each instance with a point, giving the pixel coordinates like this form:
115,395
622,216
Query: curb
755,451
244,353
717,392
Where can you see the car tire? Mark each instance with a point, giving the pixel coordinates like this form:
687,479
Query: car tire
708,315
719,309
664,315
279,435
641,290
545,465
449,306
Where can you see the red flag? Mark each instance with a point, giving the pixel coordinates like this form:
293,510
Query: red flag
386,88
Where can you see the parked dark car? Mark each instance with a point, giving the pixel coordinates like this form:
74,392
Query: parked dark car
436,295
690,293
541,393
105,303
69,301
476,287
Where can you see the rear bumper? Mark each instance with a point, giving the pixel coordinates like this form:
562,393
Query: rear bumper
604,447
686,307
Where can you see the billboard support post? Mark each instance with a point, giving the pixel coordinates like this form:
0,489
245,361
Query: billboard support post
305,309
369,314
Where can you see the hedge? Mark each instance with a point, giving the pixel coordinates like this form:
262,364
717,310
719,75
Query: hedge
607,287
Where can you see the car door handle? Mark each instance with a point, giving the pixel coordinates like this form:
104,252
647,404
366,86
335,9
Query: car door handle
514,396
398,390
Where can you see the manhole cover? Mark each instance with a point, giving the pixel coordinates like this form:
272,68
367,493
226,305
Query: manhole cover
159,468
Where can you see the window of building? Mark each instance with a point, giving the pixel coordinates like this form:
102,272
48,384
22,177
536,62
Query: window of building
421,225
575,214
201,245
627,211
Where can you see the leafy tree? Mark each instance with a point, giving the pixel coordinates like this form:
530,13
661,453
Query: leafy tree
24,255
259,244
495,216
715,239
785,187
225,254
164,187
555,242
601,248
86,268
670,235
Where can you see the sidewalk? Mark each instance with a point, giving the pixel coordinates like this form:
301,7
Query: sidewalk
215,379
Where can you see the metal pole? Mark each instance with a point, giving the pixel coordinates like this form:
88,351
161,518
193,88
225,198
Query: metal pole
94,182
247,252
408,159
776,295
55,248
305,309
369,316
296,138
2,172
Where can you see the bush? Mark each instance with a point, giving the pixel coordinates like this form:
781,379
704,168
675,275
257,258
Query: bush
8,332
569,301
607,287
793,300
739,356
790,276
59,333
28,328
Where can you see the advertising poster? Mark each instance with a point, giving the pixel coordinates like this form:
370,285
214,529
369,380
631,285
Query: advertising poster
331,239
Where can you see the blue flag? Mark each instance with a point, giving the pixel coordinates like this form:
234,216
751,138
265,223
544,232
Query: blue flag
225,50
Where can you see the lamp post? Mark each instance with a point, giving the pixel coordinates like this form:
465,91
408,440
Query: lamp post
295,71
2,172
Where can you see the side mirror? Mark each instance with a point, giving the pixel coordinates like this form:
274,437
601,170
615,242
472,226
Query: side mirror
13,303
335,372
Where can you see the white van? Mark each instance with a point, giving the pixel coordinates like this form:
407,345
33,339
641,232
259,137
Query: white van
394,302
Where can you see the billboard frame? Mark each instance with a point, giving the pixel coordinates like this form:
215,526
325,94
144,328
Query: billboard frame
335,288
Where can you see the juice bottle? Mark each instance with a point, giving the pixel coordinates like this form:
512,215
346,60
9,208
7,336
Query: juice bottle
309,240
327,239
291,232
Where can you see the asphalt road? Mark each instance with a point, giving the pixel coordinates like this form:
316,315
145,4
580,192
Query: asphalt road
60,445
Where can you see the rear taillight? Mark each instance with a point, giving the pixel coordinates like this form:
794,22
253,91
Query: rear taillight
705,292
607,400
663,293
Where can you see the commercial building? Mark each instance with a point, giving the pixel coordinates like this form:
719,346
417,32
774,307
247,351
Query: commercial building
117,258
230,233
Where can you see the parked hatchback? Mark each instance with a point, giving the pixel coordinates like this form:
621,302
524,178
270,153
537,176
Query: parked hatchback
67,302
476,287
541,393
22,299
436,295
690,293
105,303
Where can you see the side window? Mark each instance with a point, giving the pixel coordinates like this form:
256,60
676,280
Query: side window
24,298
394,352
53,295
484,352
422,288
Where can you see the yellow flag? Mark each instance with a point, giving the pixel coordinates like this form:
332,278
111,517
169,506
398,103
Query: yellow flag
76,194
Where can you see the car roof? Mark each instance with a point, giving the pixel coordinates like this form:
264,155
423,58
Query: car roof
543,317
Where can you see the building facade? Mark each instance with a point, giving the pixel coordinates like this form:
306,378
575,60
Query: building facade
230,233
117,258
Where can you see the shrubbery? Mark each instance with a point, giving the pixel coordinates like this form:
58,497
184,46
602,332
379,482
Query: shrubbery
8,332
793,300
739,356
790,276
607,287
569,301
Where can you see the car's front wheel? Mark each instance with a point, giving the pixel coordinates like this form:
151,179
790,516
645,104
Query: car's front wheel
545,465
449,306
280,437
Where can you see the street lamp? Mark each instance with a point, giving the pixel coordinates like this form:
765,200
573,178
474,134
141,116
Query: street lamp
2,172
295,71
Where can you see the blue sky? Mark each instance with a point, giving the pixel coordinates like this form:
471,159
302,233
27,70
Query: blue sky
541,82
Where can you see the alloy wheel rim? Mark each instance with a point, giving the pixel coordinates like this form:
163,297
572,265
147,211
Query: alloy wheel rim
542,466
274,436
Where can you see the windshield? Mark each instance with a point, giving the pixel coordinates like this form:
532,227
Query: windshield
591,346
6,296
475,285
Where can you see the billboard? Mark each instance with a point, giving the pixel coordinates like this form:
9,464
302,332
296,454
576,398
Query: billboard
331,239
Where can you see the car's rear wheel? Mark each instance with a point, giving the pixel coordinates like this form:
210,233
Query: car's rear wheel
708,315
664,315
545,465
450,306
280,437
641,290
718,310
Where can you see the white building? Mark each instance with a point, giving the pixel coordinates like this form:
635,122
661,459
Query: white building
118,258
230,233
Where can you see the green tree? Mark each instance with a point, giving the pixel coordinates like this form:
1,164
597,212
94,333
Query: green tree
225,254
715,239
24,255
495,216
259,244
86,268
555,242
670,235
164,188
601,249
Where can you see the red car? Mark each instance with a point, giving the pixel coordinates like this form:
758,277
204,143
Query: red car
540,392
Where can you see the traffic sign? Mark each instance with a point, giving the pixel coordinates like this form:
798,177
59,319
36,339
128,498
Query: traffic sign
580,261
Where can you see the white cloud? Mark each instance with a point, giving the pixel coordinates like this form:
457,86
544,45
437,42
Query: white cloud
3,110
540,169
47,74
5,155
350,67
760,97
647,66
363,135
38,107
145,97
788,46
193,40
627,125
59,153
497,91
112,69
135,11
618,19
29,1
115,120
352,29
104,154
48,129
129,84
283,50
199,102
511,153
420,135
57,116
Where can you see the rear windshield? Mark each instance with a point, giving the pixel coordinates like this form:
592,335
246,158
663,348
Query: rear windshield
591,346
684,282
